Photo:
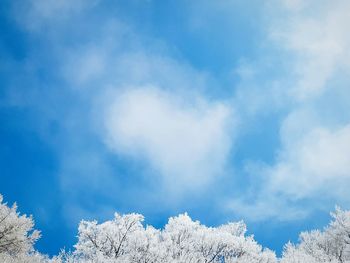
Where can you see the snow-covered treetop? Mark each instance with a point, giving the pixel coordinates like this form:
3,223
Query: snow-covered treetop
126,239
330,245
16,231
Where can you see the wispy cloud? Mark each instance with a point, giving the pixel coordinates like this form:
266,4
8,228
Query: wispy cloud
187,140
117,97
114,91
316,34
312,162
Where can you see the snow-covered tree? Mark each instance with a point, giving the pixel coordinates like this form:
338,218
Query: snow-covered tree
17,237
124,239
189,241
32,257
16,231
330,245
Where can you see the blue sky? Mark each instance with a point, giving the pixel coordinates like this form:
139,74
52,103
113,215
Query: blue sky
225,109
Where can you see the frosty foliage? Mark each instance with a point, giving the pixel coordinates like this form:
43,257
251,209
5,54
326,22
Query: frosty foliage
16,234
126,239
330,245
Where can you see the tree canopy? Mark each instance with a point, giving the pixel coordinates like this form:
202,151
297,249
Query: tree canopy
126,238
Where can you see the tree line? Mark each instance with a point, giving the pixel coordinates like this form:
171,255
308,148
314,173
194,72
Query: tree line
125,238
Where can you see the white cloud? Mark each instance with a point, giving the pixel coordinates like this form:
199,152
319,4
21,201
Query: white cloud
318,162
316,167
186,138
311,169
317,35
187,141
314,155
